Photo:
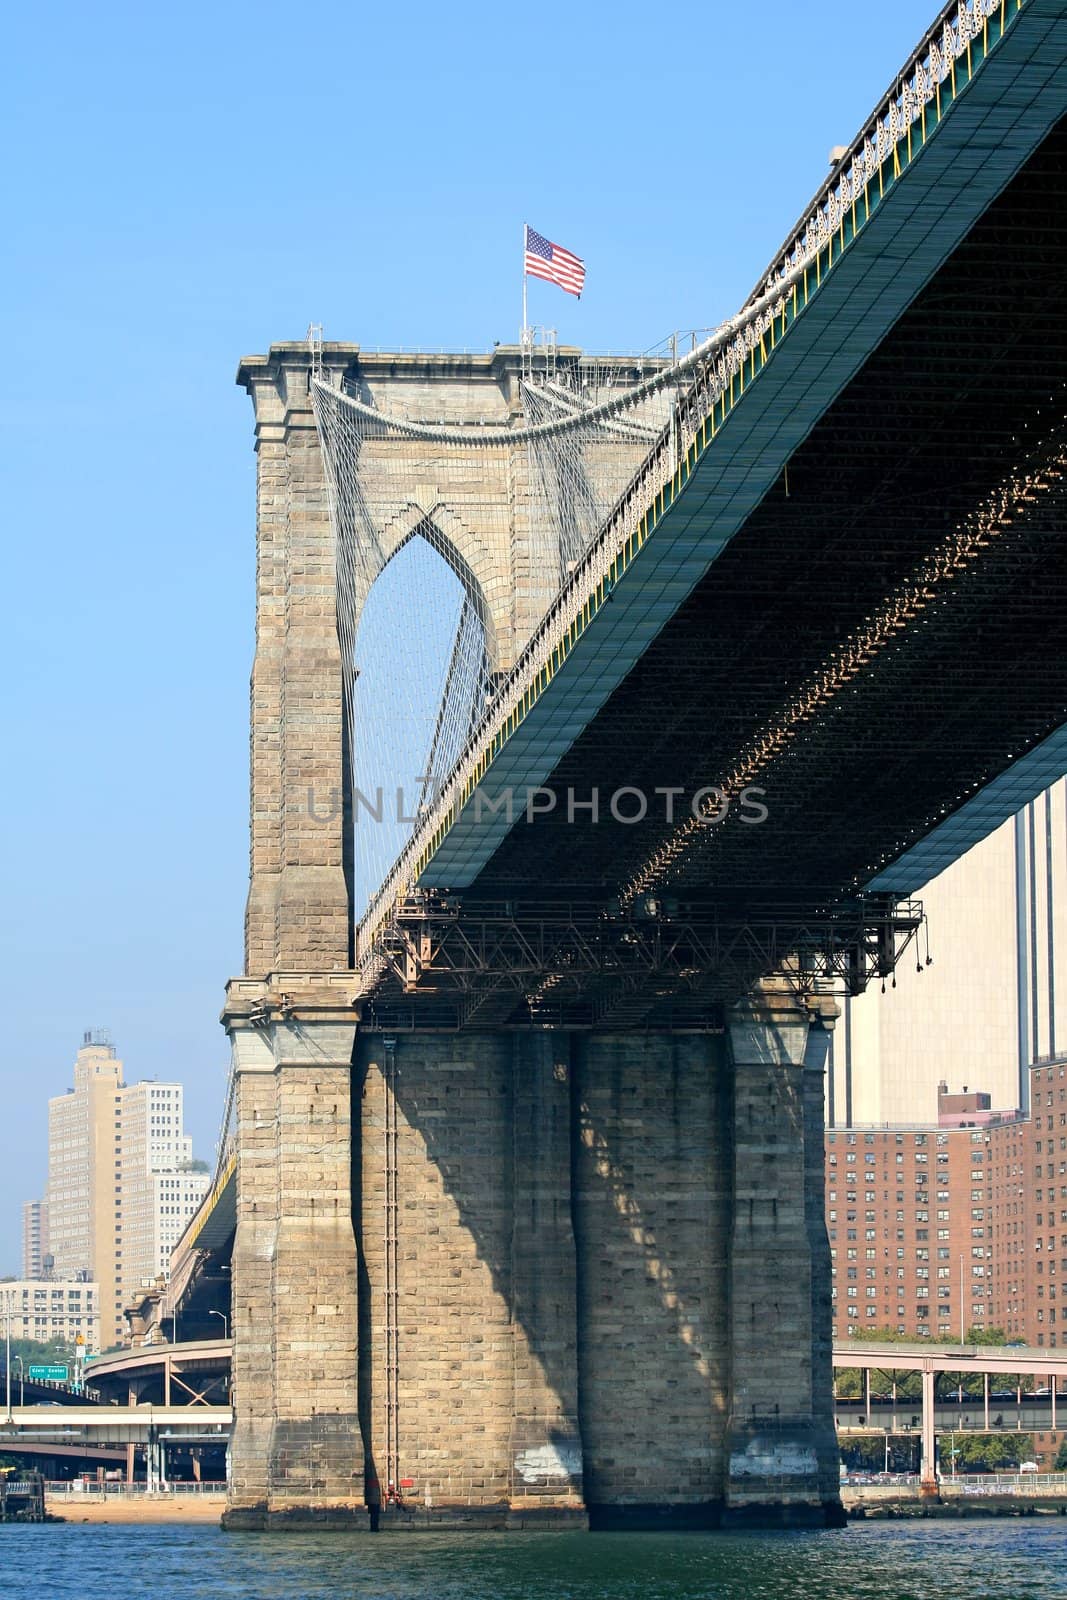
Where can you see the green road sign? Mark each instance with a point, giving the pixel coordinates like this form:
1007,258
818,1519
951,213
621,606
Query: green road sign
50,1374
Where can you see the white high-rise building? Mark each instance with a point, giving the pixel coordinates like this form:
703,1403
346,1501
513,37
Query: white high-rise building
160,1188
84,1154
121,1180
993,1003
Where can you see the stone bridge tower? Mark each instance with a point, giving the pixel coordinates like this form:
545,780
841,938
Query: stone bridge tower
515,1278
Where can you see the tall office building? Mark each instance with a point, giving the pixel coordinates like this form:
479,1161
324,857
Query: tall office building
994,1002
121,1183
84,1156
160,1189
34,1238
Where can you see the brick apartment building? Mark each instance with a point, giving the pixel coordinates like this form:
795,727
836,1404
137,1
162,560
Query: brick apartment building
936,1230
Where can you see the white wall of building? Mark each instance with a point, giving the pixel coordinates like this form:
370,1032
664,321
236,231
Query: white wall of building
45,1309
993,1002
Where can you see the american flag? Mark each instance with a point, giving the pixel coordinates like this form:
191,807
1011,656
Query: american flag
546,260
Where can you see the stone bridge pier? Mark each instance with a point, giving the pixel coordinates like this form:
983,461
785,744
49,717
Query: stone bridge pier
528,1279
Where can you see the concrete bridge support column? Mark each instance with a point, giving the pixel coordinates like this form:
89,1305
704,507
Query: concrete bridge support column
296,1453
652,1194
783,1460
546,1443
468,1392
435,1238
928,1460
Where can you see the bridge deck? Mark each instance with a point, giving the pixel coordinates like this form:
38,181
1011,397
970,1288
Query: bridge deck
854,598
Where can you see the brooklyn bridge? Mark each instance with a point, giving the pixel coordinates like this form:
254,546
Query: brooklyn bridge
606,715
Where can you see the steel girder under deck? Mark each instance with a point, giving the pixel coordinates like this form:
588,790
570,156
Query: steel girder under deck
451,963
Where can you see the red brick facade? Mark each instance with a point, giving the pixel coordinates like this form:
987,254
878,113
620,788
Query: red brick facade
914,1214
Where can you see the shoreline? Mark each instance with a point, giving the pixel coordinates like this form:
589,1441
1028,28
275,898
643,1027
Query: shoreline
118,1508
956,1509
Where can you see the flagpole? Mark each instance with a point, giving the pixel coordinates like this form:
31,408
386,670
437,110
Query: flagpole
525,226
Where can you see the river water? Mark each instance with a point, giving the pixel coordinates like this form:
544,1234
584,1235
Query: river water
994,1560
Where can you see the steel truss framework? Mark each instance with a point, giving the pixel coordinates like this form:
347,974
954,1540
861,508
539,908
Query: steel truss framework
446,964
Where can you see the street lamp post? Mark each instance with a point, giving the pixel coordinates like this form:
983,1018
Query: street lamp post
225,1322
7,1351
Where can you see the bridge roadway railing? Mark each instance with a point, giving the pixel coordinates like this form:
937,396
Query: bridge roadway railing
186,1252
711,380
865,1487
226,1171
67,1392
1005,1483
942,62
95,1489
925,1356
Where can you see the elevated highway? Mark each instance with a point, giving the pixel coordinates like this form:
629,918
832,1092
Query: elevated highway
930,1360
43,1390
105,1436
195,1372
922,1356
117,1425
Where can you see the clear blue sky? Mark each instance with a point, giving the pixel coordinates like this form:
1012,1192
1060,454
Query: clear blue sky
185,185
